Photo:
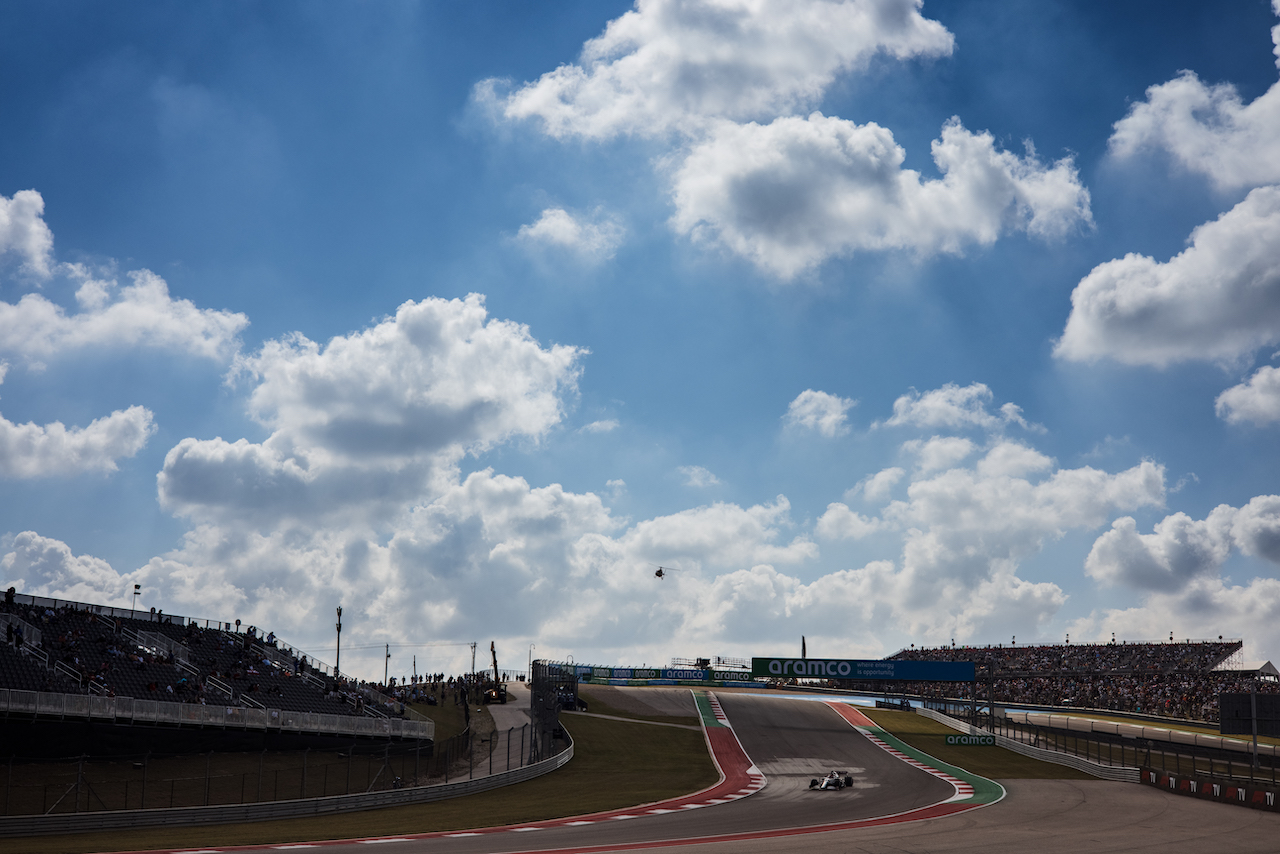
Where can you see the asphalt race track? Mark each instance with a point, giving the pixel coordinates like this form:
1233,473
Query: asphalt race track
792,741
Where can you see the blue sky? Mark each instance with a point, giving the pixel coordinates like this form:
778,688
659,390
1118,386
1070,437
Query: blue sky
886,323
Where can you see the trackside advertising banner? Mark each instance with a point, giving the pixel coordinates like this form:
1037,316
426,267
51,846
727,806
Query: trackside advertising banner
682,674
853,668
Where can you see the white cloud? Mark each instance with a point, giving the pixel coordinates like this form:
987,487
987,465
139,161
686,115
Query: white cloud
428,560
1012,459
1219,299
24,233
1275,32
141,314
672,65
605,426
698,477
1180,549
954,407
817,410
726,83
841,523
1256,400
790,194
33,450
1208,130
41,566
1179,568
878,485
593,241
939,452
374,416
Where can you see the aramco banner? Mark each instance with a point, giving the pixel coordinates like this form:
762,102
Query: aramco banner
852,668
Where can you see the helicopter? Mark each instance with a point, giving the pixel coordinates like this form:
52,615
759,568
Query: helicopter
663,570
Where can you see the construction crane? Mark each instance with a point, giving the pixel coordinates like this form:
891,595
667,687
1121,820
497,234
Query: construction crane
498,693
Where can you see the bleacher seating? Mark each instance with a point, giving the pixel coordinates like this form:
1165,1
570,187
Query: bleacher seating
149,656
1169,679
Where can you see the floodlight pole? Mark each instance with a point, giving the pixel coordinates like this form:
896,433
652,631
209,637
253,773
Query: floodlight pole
337,660
385,665
137,591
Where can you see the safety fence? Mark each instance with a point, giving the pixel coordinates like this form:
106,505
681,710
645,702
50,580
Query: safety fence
391,782
1069,756
128,710
1107,749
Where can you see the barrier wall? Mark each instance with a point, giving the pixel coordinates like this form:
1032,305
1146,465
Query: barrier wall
1259,796
1106,772
194,816
1076,723
128,710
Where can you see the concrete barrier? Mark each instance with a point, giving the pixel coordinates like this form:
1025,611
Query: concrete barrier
44,825
1119,773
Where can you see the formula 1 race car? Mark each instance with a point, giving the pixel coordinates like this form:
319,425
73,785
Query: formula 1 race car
835,780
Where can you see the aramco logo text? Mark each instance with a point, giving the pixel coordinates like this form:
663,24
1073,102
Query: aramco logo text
809,667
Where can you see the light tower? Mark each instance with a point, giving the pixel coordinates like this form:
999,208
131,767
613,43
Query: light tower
337,659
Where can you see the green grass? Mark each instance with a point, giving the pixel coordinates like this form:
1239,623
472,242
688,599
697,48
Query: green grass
994,762
597,706
450,719
615,765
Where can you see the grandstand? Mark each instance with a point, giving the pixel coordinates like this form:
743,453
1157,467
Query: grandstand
149,666
1172,679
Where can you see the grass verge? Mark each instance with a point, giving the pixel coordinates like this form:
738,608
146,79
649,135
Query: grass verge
994,762
596,705
615,765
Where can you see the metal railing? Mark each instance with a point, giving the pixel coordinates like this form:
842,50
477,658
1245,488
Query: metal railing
30,634
99,819
130,710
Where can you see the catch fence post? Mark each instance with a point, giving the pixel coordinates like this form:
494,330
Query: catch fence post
208,763
262,757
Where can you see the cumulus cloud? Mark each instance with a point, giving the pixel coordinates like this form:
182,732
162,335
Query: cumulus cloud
1181,549
141,314
841,523
428,560
940,452
1256,400
954,407
1207,130
33,450
817,410
591,240
727,83
670,65
41,566
375,413
23,232
42,450
880,484
792,193
1178,568
1219,299
698,477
